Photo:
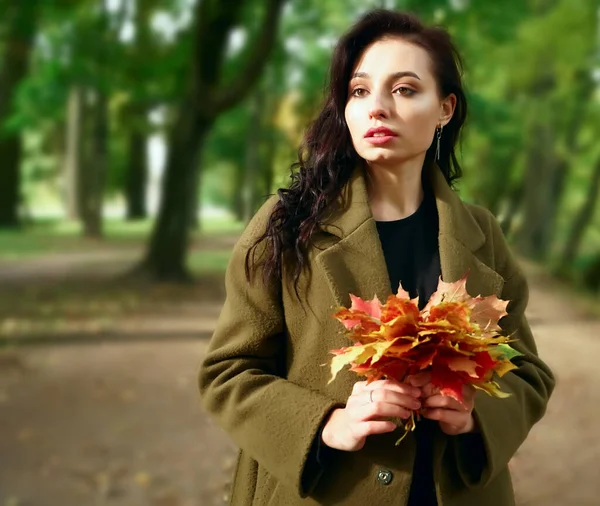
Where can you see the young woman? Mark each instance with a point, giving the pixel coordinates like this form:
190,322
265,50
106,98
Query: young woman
371,205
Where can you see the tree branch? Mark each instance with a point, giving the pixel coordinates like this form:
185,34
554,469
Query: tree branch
255,63
214,21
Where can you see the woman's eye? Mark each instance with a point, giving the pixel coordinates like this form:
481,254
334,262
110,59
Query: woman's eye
358,92
407,92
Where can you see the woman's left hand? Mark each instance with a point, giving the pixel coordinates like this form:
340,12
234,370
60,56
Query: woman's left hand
454,418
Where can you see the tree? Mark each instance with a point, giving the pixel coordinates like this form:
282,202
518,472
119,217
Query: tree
205,98
97,166
21,20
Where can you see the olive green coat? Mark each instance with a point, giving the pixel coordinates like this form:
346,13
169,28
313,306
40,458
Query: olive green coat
264,381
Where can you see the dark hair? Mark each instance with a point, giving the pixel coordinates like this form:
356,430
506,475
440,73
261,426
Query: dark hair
326,158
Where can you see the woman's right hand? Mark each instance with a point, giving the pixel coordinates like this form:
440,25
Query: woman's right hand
347,428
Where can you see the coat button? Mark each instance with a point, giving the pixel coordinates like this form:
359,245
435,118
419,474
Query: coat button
384,476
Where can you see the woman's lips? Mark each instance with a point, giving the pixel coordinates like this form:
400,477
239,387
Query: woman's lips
380,139
379,135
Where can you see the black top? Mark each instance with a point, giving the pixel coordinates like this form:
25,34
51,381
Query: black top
410,248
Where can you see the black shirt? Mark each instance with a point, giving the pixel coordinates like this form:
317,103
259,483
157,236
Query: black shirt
410,248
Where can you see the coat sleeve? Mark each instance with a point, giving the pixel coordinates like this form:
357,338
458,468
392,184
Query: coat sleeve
505,423
242,378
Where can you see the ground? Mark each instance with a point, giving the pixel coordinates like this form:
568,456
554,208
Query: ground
115,419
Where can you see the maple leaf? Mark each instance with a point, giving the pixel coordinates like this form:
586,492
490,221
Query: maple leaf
359,354
504,352
449,384
348,355
492,388
487,311
455,337
504,366
484,362
353,318
371,307
448,292
464,364
396,306
456,314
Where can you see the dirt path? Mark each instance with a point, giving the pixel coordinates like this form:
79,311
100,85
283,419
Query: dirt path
558,464
120,424
110,424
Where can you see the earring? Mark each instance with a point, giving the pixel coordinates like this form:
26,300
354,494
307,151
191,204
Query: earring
439,139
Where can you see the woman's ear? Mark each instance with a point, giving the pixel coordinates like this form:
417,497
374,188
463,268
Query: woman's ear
448,106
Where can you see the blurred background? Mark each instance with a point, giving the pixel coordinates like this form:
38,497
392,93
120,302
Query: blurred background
137,138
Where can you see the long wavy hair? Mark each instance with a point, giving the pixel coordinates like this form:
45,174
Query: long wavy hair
327,158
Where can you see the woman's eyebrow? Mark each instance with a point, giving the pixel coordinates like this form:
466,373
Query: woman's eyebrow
396,75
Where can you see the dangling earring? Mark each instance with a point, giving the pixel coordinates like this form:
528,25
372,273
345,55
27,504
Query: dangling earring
439,139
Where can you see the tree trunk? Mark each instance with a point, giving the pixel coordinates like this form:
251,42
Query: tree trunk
73,152
21,18
547,170
137,176
583,93
591,278
582,220
238,192
513,206
10,154
539,187
97,167
553,204
253,161
95,176
194,220
165,259
268,173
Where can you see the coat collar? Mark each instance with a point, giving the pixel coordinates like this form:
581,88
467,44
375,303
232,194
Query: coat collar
355,264
455,219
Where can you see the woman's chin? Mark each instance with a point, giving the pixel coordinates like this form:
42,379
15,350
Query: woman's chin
381,156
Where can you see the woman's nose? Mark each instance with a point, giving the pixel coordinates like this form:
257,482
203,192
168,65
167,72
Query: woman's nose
379,108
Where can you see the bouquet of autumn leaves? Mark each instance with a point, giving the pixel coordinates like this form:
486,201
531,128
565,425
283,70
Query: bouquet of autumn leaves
455,337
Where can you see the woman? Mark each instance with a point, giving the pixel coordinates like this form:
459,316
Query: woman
370,206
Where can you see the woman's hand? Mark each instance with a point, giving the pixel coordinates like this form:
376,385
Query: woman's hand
454,417
347,428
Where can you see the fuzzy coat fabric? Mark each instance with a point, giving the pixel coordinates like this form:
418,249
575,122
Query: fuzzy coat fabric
265,375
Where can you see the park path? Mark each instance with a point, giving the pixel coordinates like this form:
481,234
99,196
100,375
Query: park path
120,423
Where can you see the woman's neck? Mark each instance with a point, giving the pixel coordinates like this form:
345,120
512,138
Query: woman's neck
395,192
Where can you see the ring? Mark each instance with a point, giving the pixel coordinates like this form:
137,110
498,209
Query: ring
370,395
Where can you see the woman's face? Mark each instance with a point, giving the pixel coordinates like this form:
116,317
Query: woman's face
392,88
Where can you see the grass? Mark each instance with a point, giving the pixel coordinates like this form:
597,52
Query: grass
58,236
209,262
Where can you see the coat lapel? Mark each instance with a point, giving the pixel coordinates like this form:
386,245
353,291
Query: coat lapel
355,263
